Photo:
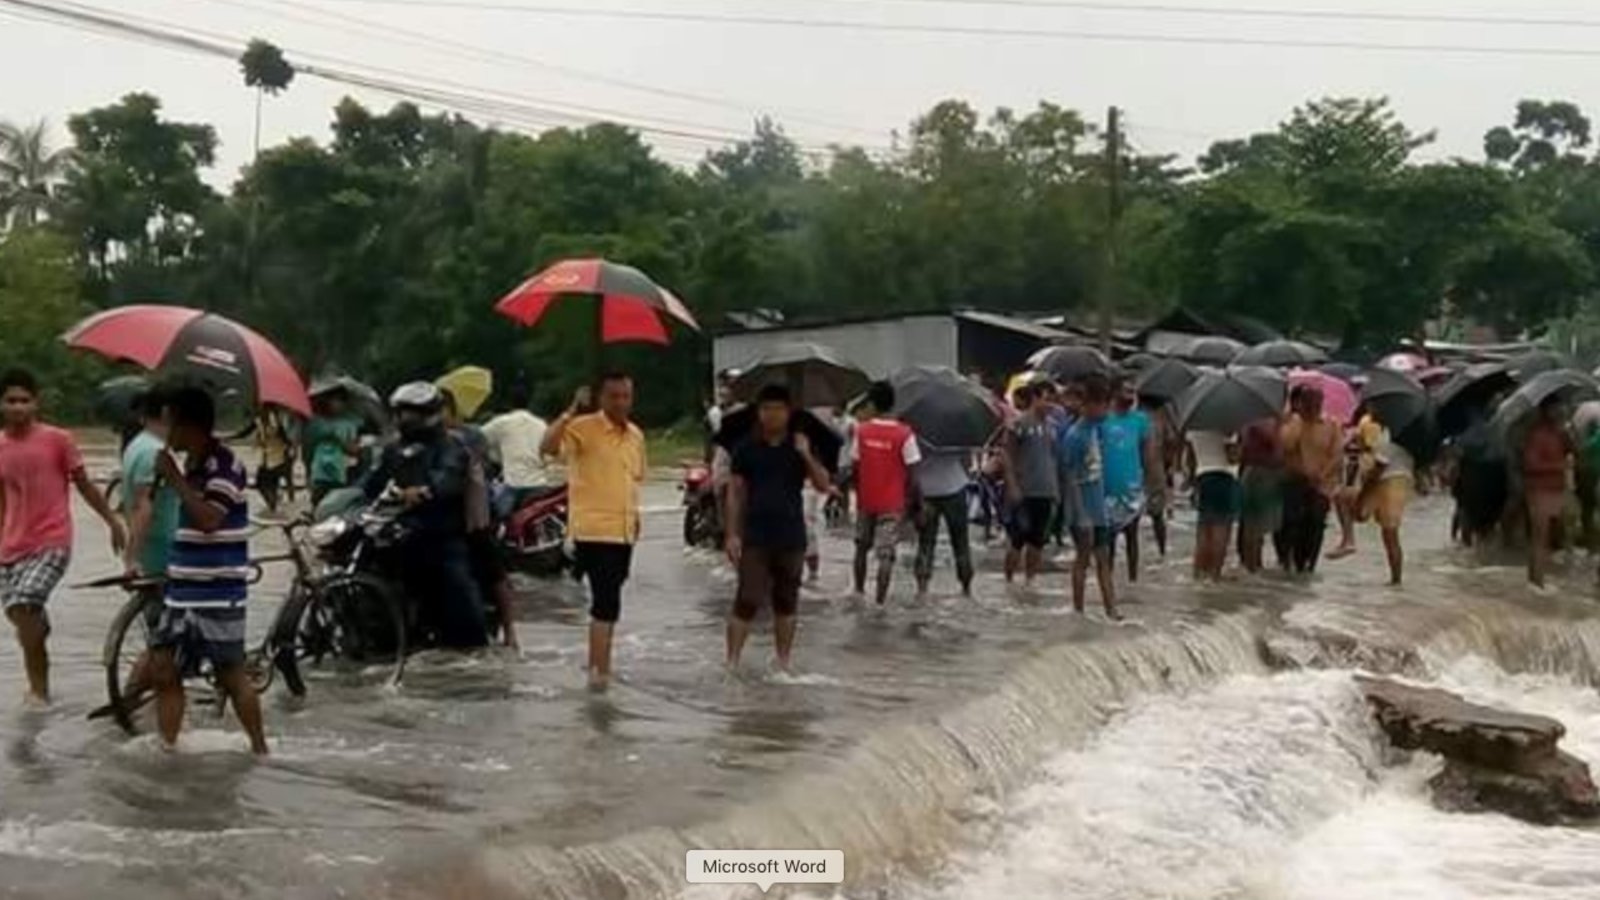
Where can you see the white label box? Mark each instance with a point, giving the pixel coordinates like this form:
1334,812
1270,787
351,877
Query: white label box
764,868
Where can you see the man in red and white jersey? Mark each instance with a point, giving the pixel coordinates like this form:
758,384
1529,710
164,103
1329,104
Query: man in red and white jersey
884,451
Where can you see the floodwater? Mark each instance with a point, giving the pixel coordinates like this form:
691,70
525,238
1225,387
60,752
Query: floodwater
996,747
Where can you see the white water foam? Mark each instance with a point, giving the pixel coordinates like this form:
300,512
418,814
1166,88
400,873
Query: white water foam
1270,788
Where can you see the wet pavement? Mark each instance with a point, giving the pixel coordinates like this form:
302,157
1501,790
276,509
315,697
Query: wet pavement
511,748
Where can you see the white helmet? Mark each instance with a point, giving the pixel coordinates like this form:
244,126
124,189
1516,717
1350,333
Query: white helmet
417,405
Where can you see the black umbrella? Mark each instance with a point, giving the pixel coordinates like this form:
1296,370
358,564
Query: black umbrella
1470,390
1138,362
814,374
1535,362
946,410
1570,386
1228,401
1211,351
1166,380
116,400
1070,363
739,426
1283,354
1395,399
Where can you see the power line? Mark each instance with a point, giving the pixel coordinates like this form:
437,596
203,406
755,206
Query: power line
969,31
447,95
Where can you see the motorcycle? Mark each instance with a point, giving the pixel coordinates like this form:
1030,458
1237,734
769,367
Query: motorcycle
357,609
534,535
702,515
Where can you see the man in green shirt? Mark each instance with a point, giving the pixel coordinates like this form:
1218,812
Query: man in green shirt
150,506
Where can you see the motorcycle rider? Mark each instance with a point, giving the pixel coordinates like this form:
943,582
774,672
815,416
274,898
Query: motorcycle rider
429,470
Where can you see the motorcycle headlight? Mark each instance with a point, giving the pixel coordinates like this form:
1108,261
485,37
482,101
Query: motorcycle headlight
325,533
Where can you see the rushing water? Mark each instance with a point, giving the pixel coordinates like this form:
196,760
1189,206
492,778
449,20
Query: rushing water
997,747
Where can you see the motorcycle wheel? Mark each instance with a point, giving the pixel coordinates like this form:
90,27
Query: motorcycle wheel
691,525
353,618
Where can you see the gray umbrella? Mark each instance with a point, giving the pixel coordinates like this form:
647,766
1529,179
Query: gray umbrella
816,375
946,410
1228,401
1166,380
1568,385
362,398
1281,354
1211,351
1535,362
1070,363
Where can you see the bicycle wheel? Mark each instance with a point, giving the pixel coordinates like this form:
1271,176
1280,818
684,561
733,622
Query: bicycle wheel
354,618
126,643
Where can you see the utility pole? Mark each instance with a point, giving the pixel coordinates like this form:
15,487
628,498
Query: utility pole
1108,270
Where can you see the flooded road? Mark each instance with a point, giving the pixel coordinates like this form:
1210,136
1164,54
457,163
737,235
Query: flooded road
371,788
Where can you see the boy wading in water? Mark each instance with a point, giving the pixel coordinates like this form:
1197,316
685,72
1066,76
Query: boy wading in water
37,463
766,533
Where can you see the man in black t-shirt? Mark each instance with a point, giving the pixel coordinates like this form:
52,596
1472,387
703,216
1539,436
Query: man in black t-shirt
766,529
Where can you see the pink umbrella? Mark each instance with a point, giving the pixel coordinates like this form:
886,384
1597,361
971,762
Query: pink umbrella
1339,400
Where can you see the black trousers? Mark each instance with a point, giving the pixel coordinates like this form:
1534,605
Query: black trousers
607,567
1305,522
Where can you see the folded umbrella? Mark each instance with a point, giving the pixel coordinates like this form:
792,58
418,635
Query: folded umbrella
1571,387
1166,380
739,425
1283,354
946,410
815,375
1070,363
1228,401
1338,397
195,344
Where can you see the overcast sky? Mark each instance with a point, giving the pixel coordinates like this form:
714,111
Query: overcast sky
703,80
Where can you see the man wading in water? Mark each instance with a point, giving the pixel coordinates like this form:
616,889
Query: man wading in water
605,457
766,532
37,463
885,451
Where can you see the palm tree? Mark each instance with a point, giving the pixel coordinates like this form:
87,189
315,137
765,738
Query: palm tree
29,171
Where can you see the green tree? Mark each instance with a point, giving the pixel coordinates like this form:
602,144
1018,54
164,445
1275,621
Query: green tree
39,299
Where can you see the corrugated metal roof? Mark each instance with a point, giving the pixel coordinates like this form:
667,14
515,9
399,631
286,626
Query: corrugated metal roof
1021,326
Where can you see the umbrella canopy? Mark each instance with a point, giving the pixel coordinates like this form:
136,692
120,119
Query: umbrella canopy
1338,397
630,307
1070,363
1395,399
814,374
1404,361
1283,354
1347,372
1228,401
1570,386
195,344
1211,351
470,385
1470,390
739,426
362,398
1535,362
116,400
1166,380
946,410
1138,362
1586,418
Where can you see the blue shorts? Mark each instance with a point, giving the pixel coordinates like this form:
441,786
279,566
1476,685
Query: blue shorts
196,635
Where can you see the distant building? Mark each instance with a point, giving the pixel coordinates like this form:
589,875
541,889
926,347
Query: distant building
968,341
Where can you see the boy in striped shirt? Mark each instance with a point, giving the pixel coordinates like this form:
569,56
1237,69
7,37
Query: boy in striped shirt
207,572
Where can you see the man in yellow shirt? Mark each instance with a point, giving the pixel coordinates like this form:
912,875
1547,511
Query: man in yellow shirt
605,458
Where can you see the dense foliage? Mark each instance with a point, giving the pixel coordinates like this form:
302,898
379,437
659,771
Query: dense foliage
381,251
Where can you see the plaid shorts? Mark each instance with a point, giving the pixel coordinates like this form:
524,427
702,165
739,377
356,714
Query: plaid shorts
30,580
881,532
201,634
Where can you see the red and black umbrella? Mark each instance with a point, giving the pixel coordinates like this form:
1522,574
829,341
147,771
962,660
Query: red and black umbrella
631,306
194,343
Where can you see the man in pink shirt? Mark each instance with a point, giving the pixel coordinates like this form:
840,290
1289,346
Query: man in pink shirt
884,450
37,463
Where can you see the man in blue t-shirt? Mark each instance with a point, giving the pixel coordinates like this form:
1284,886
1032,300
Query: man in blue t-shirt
207,572
1084,475
1125,437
